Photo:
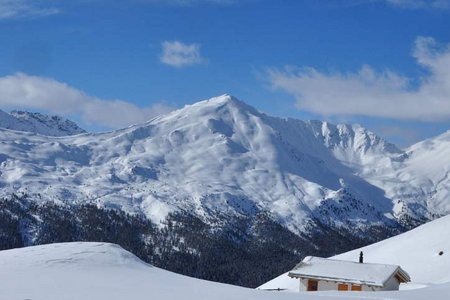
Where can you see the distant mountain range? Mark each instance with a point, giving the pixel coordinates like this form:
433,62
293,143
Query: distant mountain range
39,123
224,164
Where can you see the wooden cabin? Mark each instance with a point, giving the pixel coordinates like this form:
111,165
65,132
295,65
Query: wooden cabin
323,274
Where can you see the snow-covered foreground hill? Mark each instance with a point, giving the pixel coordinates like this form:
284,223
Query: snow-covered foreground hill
99,271
416,251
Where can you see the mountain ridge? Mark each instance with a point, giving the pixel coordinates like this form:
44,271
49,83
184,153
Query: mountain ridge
39,123
213,157
218,183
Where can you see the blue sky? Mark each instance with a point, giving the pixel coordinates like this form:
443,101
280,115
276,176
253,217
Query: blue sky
382,63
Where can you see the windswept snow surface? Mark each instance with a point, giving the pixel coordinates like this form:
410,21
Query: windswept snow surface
416,251
100,271
38,123
221,157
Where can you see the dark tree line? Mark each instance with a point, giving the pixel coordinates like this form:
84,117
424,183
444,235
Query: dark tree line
248,251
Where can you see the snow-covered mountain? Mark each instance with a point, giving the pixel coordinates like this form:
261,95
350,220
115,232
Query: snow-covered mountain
38,123
258,186
420,178
221,157
423,252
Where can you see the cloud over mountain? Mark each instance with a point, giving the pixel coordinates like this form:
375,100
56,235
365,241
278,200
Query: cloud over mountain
369,92
34,92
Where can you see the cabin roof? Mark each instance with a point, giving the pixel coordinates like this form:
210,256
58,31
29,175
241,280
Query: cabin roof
347,271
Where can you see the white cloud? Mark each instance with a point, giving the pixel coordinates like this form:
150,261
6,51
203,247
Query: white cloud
10,9
33,92
177,54
371,93
420,4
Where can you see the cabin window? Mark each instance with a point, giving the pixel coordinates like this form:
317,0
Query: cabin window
342,287
313,285
356,287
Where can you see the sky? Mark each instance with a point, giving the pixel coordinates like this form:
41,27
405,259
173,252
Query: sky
384,64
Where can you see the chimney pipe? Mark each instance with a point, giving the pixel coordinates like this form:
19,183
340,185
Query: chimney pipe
361,257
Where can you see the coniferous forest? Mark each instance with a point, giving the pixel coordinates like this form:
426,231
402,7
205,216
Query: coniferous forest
246,252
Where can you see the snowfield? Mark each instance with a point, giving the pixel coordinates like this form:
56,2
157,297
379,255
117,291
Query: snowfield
416,251
101,271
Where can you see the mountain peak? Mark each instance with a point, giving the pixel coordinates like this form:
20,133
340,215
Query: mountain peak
225,99
223,106
222,157
39,123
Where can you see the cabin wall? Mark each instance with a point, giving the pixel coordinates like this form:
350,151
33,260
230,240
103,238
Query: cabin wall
392,284
328,286
333,286
322,286
303,285
366,288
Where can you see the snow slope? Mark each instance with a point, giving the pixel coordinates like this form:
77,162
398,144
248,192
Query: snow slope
221,158
97,271
416,251
38,123
424,176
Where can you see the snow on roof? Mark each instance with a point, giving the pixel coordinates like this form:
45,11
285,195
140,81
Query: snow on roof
347,271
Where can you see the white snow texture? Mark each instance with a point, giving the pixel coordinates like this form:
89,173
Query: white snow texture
222,157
